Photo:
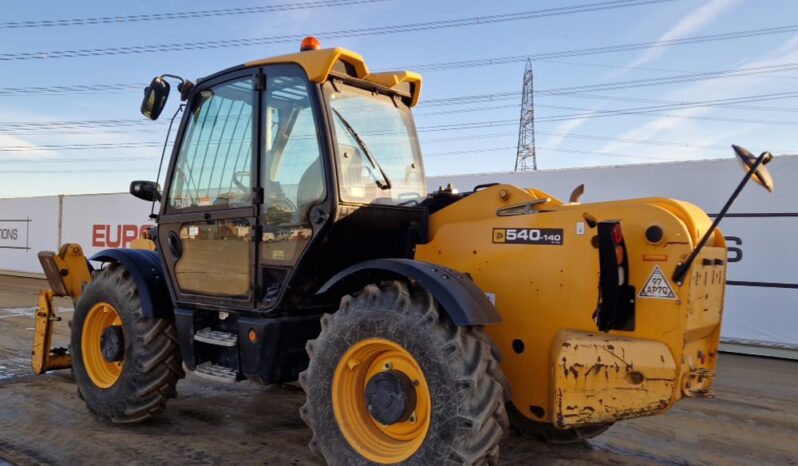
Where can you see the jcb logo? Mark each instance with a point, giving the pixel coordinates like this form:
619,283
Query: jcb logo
499,235
117,236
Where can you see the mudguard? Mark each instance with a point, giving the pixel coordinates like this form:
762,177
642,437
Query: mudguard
145,269
460,298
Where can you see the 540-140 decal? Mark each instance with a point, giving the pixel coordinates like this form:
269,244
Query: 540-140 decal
552,236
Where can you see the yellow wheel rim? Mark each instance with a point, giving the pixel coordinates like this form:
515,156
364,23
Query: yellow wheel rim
372,440
102,373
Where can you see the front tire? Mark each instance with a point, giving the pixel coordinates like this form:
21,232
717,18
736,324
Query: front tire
126,365
450,374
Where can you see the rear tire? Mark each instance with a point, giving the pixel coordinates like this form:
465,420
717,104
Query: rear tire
459,373
138,386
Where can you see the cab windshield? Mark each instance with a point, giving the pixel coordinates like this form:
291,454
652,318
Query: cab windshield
377,149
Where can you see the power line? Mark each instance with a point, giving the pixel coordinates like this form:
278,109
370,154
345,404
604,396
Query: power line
109,145
651,111
579,91
39,125
439,154
71,89
378,30
121,87
469,137
99,170
46,23
636,68
619,85
79,160
647,142
605,49
420,129
568,135
664,101
679,145
553,149
674,106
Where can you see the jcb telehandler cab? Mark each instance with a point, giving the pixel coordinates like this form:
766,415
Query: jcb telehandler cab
296,240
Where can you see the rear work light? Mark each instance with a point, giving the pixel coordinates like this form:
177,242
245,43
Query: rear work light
616,308
617,234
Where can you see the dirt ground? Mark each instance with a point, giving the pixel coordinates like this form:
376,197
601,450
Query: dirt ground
754,419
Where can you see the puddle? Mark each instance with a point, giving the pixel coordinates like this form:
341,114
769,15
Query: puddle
15,367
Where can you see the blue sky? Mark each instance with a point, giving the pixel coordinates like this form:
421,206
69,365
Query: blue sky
577,136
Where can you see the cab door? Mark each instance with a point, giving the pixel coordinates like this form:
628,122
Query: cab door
296,202
209,212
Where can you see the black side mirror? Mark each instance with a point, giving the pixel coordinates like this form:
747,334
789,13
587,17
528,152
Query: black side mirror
155,96
146,190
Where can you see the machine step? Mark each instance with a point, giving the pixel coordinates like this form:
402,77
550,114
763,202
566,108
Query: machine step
216,337
215,372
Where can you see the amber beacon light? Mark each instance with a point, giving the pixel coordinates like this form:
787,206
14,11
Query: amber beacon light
309,43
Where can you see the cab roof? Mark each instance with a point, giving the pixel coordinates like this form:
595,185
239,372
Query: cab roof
319,64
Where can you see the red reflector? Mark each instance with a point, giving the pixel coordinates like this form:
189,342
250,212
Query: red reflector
619,254
617,234
309,43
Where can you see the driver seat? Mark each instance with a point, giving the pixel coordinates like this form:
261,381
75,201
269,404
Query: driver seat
310,189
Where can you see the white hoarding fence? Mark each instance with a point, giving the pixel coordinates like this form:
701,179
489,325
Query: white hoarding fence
27,226
96,222
761,299
102,221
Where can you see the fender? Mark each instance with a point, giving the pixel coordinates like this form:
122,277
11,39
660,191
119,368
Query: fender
145,269
460,298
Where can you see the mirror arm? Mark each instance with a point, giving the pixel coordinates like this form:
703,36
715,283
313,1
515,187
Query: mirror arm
184,87
180,108
681,268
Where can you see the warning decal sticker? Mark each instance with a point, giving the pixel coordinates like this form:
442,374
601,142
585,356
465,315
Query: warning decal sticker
657,286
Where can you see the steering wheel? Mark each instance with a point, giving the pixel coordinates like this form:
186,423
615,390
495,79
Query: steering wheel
283,201
412,199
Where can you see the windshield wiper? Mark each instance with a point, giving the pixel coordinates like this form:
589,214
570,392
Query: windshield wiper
383,184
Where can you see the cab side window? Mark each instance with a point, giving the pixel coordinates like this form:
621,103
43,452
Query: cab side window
214,163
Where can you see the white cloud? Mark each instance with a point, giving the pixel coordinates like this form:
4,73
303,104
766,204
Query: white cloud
566,127
698,132
691,23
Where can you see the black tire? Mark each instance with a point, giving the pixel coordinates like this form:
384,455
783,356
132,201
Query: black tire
152,364
460,365
550,434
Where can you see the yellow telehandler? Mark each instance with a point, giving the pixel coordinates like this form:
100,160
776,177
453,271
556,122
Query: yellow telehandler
296,240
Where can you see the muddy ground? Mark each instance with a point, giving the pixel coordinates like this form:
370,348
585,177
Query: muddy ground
754,419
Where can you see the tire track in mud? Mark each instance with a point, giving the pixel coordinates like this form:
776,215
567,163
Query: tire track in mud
42,421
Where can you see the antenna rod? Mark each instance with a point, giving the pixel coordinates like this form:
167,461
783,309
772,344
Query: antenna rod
681,269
